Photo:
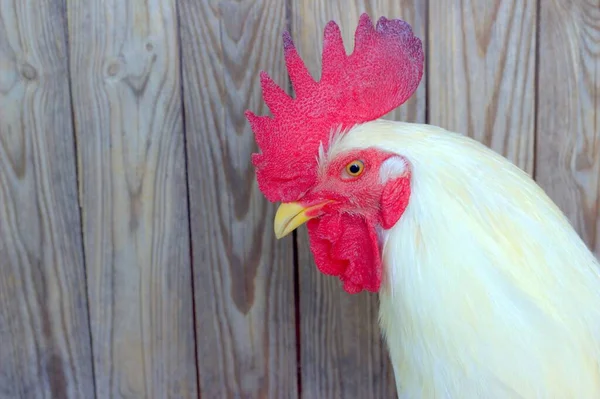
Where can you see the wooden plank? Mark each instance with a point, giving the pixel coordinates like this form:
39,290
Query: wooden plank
481,69
44,333
128,112
568,121
342,352
243,277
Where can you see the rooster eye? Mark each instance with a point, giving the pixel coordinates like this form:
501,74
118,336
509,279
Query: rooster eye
355,168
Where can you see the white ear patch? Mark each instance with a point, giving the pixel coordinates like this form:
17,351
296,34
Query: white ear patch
392,168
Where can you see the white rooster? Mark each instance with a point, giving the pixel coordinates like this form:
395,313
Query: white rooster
486,291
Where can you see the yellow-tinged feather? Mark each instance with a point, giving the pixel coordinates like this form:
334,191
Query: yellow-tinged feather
488,291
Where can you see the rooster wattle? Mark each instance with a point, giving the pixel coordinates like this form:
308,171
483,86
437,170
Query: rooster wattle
485,288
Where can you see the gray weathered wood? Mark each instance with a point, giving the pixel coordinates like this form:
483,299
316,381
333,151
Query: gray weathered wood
343,354
128,112
481,69
44,335
243,277
568,121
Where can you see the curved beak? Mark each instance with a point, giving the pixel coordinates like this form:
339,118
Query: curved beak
291,215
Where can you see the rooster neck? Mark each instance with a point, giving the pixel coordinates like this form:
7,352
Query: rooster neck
465,318
487,296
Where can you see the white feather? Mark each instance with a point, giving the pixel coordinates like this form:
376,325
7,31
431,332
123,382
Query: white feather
488,291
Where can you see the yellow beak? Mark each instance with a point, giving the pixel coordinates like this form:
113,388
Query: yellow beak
292,215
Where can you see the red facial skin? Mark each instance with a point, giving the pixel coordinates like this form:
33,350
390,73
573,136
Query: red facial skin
343,234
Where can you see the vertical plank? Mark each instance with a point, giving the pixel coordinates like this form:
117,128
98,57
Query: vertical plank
342,352
44,333
568,121
128,112
243,276
482,73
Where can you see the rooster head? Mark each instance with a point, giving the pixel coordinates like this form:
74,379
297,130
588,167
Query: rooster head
343,197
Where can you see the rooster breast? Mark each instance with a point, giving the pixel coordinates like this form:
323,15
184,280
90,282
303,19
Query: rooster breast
488,291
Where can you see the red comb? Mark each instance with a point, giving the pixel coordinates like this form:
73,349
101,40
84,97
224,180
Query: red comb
383,71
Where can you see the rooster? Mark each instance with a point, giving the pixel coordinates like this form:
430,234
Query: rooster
485,289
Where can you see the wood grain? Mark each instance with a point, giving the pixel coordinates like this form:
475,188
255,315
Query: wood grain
568,121
482,73
243,276
128,112
342,352
44,334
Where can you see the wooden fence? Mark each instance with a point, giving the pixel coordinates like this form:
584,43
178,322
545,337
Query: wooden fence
138,257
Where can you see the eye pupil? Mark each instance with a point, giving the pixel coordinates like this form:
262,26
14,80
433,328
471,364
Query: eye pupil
354,168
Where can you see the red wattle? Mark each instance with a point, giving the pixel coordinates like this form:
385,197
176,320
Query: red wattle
346,246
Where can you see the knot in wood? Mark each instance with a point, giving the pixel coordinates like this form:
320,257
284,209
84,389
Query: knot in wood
28,71
114,68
